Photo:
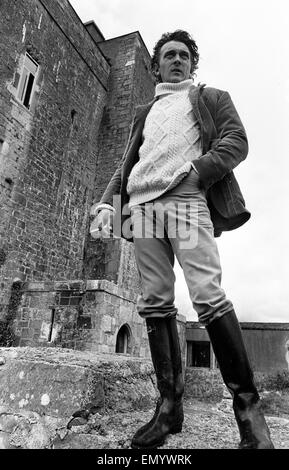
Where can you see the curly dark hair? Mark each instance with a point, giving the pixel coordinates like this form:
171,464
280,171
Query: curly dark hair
178,35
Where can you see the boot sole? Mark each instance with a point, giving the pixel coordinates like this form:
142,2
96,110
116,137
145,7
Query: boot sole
175,430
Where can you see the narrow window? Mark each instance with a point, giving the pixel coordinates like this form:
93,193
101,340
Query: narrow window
123,340
51,325
25,87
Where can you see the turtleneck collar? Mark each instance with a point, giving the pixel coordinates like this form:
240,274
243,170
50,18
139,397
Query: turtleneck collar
166,88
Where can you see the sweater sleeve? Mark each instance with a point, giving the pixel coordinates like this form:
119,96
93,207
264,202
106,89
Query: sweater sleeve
230,147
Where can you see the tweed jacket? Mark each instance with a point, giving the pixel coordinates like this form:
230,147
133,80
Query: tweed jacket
224,146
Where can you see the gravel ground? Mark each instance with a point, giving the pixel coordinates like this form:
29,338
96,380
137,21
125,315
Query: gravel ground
206,426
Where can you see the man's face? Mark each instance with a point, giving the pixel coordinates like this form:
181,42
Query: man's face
174,62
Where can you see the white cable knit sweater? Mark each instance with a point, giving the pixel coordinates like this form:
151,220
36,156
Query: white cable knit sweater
171,141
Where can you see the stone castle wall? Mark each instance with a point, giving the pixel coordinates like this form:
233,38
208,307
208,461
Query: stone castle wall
83,315
47,152
78,315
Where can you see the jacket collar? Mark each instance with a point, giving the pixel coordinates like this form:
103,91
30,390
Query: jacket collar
142,112
194,96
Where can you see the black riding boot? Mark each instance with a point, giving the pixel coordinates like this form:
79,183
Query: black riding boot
177,362
226,337
166,358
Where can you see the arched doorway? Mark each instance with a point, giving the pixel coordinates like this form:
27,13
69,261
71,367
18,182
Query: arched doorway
123,340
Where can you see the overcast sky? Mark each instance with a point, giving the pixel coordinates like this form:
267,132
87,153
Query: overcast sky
244,49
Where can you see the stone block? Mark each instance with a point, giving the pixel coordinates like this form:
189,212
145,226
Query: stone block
106,324
5,441
43,383
56,382
8,422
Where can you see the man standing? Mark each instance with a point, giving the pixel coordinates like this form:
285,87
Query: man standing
177,181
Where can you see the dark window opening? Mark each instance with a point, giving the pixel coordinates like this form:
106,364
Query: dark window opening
123,340
26,82
200,354
51,325
73,114
28,92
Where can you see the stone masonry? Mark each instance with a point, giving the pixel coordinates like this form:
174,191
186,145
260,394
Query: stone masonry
82,315
41,388
48,152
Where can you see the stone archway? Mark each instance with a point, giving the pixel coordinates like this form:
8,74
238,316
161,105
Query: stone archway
123,340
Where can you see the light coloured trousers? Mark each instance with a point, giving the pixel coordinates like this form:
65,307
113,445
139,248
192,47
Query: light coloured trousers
178,224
